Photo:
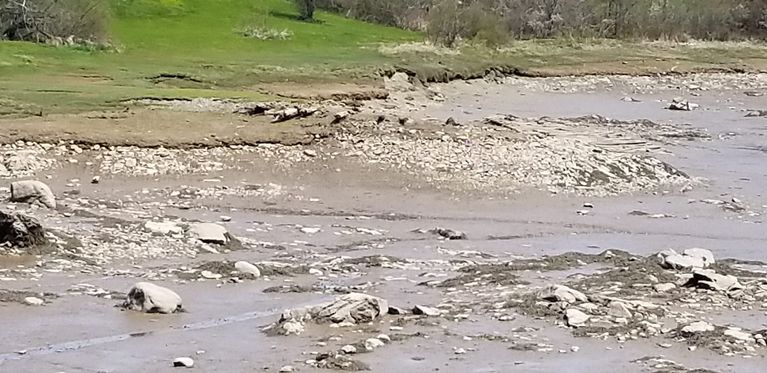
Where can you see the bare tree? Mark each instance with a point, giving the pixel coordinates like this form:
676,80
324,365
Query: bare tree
306,9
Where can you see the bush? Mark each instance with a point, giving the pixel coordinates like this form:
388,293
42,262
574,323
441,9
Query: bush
495,21
52,20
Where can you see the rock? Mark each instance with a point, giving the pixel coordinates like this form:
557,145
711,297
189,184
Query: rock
698,327
630,99
708,279
31,191
575,318
310,153
245,267
18,230
705,255
287,369
396,311
96,180
451,122
350,309
353,307
151,298
315,272
210,275
428,311
449,233
384,338
619,309
738,334
669,259
561,293
211,233
310,230
340,116
183,362
459,351
164,228
349,349
665,287
34,301
373,343
756,113
683,105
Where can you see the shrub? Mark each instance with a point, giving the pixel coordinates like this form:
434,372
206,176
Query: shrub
52,20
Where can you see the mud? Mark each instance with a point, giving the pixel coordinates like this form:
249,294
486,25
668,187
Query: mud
341,208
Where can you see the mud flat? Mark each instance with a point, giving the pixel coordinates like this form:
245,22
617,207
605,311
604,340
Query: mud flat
482,226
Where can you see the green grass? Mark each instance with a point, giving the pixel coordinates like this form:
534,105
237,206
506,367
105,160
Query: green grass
198,38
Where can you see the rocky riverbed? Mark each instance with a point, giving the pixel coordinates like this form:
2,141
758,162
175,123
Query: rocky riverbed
486,226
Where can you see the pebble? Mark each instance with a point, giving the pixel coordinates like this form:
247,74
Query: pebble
286,369
186,362
34,301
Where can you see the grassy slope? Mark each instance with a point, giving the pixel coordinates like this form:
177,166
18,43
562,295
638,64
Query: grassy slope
200,41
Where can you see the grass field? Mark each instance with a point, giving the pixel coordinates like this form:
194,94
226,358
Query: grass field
198,39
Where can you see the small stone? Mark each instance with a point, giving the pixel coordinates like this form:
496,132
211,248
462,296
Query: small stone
706,255
459,351
373,343
151,298
424,310
315,272
210,233
310,230
248,268
31,191
225,218
575,318
310,153
698,327
349,349
287,369
185,362
561,293
739,334
665,287
619,309
96,180
575,348
210,275
34,301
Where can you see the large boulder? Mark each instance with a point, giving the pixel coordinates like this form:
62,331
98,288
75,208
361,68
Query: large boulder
151,298
21,231
31,191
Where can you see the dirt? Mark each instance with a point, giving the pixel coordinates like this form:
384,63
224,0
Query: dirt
155,128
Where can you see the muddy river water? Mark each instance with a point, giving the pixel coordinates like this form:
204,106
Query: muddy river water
368,212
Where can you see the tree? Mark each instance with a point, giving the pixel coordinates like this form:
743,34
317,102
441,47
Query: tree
306,9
